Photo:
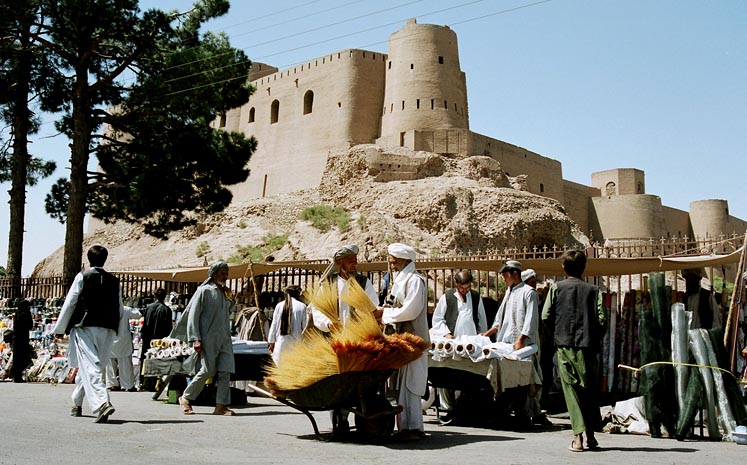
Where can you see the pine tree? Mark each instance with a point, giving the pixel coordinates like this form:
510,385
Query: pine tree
25,74
161,163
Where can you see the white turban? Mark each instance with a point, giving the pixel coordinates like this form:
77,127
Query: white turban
528,273
401,251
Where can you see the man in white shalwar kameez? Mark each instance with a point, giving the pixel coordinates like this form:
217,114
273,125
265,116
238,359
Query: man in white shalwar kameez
459,312
517,323
120,362
343,267
206,323
408,314
90,315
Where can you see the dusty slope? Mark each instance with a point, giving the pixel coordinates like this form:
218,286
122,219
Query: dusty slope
447,206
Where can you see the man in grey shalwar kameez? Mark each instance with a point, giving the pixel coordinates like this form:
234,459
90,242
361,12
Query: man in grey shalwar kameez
206,323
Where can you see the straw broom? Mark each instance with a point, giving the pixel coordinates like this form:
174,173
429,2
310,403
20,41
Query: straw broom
399,350
304,363
354,295
324,299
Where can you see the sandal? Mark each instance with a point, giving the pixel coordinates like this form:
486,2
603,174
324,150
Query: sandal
184,404
224,411
573,448
592,445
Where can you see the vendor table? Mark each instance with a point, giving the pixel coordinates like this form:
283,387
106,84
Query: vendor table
463,373
249,367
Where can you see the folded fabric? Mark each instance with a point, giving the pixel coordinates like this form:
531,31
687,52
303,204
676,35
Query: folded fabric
523,353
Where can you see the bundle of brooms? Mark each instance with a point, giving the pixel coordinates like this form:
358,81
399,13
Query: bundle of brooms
359,346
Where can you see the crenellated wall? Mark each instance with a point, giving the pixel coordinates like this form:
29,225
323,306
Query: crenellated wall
416,97
300,114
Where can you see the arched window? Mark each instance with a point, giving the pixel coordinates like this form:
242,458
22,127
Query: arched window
611,188
251,115
639,188
308,102
542,187
274,111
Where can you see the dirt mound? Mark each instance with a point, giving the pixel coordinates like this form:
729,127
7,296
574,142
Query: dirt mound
440,205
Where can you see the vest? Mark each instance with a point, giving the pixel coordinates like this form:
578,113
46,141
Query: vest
98,302
362,280
452,311
576,320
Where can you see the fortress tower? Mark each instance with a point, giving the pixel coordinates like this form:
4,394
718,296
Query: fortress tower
710,218
425,86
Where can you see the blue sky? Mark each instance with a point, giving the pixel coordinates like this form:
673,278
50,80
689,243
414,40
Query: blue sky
596,84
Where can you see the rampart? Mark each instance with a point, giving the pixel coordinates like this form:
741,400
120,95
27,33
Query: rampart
416,97
301,114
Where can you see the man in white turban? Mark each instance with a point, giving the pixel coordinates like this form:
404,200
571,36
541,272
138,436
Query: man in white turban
343,267
206,323
408,314
529,277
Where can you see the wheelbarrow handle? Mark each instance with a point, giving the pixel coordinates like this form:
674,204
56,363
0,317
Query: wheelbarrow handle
261,391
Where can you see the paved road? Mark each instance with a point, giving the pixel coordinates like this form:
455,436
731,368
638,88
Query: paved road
35,428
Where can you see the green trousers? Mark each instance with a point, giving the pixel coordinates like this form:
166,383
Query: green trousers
579,376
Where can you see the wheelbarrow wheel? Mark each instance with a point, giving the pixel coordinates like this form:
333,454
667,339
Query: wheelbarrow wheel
378,424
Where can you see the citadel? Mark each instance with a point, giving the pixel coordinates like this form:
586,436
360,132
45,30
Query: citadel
415,97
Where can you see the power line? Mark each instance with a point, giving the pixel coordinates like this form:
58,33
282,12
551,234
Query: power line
270,26
476,18
289,37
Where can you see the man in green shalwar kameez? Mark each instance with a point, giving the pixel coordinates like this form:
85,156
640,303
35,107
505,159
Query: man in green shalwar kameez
575,314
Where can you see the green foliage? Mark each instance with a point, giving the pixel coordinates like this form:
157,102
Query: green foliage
203,248
241,224
161,162
362,223
323,217
270,243
718,285
3,272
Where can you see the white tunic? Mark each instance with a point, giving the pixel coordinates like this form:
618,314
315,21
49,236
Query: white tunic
295,332
413,293
518,315
122,346
465,322
322,322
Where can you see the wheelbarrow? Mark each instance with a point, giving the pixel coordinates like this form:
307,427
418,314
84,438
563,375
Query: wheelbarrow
359,392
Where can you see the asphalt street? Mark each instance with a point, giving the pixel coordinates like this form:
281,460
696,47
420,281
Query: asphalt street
35,427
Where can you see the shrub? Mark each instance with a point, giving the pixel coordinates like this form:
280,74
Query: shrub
323,217
270,243
203,248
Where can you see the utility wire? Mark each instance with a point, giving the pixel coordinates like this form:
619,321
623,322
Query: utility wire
253,20
291,36
476,18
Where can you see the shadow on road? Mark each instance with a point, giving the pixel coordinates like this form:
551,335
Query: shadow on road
684,450
433,441
114,421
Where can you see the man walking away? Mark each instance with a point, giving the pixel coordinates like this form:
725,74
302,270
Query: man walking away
90,315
